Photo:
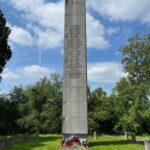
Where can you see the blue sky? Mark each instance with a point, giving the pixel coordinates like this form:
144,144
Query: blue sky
37,39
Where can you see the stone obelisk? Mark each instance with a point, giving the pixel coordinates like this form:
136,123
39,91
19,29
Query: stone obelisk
75,71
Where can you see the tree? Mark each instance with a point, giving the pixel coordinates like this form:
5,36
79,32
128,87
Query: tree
132,92
9,110
101,112
136,61
4,115
5,51
42,110
17,97
7,115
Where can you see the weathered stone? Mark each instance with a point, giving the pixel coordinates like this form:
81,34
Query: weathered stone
126,137
75,71
133,138
147,144
95,135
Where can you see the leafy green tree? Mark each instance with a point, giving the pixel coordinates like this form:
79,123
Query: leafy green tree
136,60
5,51
95,98
4,115
42,111
8,115
17,97
100,112
132,92
146,119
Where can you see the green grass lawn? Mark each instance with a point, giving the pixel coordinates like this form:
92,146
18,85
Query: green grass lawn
52,142
16,136
13,137
113,143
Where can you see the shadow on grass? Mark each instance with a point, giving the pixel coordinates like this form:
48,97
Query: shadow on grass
35,143
51,138
103,143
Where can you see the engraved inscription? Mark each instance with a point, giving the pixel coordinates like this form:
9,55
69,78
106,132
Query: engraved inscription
74,46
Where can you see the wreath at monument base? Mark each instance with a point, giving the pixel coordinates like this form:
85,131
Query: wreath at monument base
73,143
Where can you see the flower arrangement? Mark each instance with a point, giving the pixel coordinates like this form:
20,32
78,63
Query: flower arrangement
73,143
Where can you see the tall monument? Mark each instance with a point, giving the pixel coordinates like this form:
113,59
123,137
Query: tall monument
75,71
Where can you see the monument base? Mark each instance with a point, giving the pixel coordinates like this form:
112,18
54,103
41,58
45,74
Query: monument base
81,137
73,142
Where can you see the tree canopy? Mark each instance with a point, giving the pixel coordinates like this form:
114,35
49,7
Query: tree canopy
132,93
5,51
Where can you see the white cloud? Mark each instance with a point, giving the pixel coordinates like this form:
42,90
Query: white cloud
105,72
46,20
33,72
122,10
49,39
20,36
8,74
22,76
46,14
111,30
95,33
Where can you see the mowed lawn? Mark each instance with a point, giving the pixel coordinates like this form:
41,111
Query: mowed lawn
52,142
113,143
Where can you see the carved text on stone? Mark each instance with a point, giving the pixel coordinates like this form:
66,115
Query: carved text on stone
74,48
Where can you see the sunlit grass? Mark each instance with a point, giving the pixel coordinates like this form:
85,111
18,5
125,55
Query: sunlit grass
52,142
113,143
45,142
